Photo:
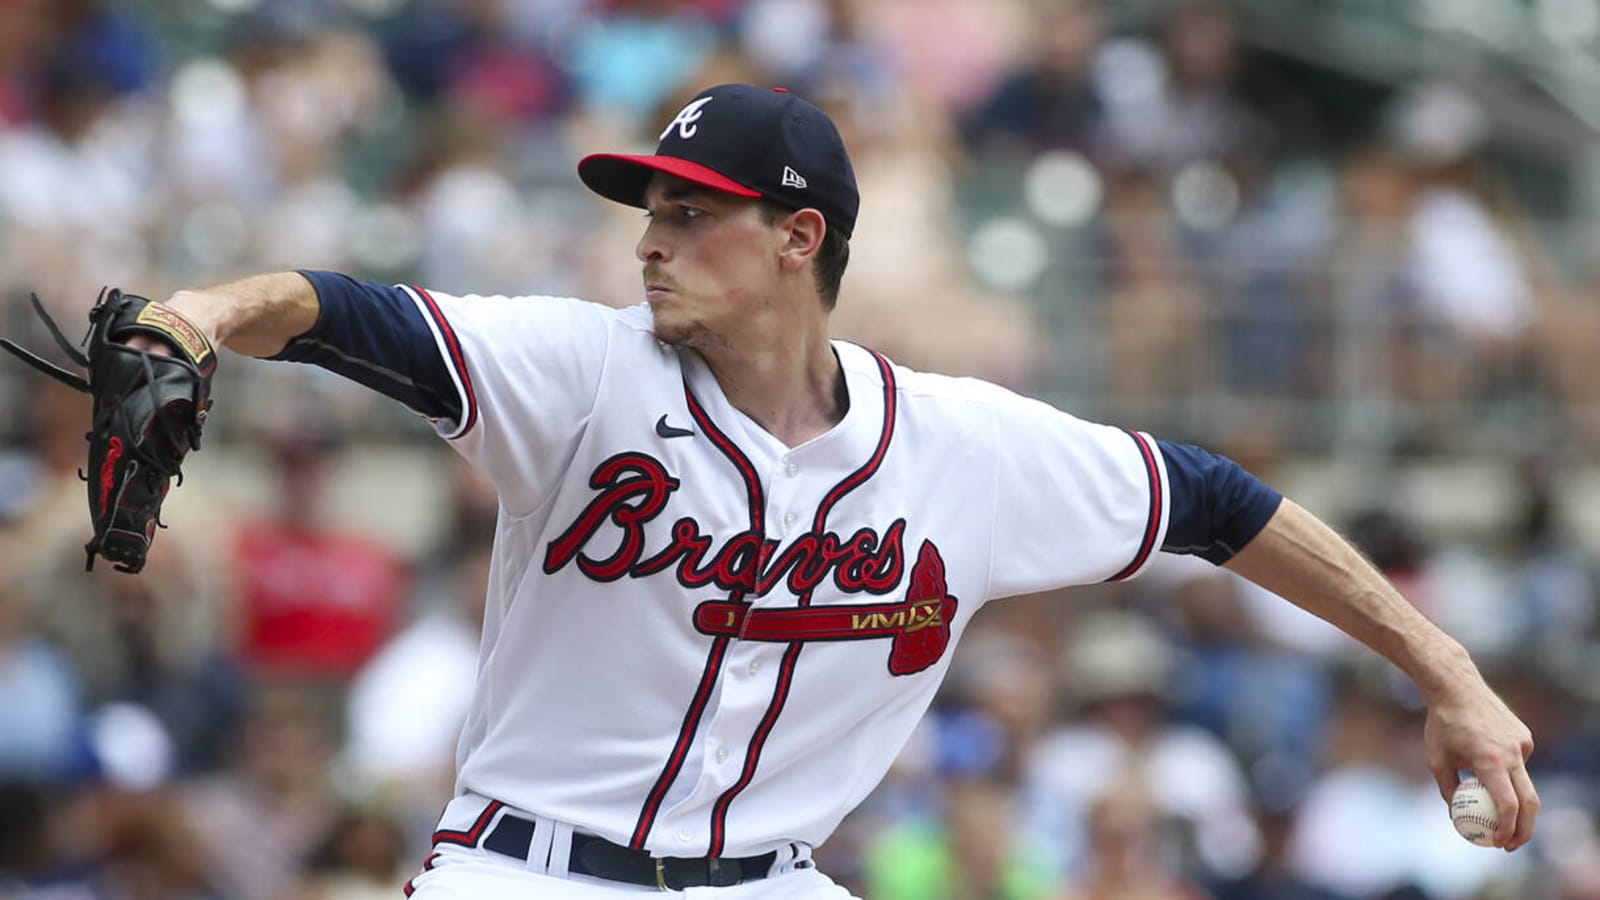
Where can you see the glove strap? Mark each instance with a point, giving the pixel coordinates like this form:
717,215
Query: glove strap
70,379
67,347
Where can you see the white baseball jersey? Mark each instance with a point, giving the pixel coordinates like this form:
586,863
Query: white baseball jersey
699,641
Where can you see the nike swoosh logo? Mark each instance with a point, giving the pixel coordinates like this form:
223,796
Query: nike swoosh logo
667,431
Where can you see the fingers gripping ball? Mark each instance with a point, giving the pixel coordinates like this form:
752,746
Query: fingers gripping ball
148,412
1473,812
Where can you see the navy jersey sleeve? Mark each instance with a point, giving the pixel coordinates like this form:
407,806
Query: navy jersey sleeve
375,335
1217,507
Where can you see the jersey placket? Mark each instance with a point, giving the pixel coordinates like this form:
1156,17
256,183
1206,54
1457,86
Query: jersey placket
753,685
818,523
745,688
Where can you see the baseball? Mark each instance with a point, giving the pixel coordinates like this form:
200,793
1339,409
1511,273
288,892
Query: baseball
1472,810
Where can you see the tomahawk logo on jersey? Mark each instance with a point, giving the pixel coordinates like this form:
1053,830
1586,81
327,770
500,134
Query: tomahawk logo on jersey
681,608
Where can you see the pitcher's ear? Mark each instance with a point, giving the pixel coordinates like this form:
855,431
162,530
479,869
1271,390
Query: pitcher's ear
806,228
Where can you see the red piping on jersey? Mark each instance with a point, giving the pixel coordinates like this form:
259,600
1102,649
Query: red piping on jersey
868,468
471,836
752,756
1148,543
469,415
467,838
427,865
691,723
708,678
780,693
747,471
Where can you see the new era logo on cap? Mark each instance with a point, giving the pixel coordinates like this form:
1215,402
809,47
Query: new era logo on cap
746,141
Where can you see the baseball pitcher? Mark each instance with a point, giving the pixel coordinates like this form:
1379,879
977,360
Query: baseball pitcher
733,555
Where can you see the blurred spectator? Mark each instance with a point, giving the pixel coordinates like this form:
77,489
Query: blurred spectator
431,665
38,689
24,31
1126,859
1154,307
1554,690
1554,585
156,639
1238,676
1180,107
478,56
76,186
789,35
27,857
950,54
1376,785
360,859
626,62
1255,235
109,36
474,507
994,705
1426,261
38,38
809,44
829,52
325,89
1116,670
113,829
259,820
973,851
1469,276
314,603
1465,271
1458,583
475,225
1384,336
907,259
1052,101
97,841
1272,878
222,163
147,849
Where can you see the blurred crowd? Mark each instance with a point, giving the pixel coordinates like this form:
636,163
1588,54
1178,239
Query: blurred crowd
1126,207
1131,209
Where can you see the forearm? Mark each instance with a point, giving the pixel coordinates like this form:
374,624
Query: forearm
256,316
1303,560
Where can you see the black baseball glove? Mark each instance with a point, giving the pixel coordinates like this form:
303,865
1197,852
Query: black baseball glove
148,411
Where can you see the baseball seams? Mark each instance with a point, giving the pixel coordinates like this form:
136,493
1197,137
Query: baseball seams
1476,829
1473,813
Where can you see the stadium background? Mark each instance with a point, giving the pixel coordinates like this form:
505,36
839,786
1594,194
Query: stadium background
1354,244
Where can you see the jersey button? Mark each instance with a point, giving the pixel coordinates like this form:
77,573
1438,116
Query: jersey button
755,666
684,835
722,754
791,469
790,518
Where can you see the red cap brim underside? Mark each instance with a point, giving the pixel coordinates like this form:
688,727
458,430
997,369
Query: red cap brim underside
623,178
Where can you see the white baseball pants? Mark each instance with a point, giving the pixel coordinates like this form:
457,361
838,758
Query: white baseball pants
463,878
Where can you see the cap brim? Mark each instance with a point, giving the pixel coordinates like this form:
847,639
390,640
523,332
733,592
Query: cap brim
623,178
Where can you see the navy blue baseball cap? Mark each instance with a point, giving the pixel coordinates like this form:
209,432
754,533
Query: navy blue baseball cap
747,141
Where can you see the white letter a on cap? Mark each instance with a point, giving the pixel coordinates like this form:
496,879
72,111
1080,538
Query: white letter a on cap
793,179
686,119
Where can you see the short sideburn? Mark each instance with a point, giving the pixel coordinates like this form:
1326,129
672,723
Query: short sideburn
832,256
